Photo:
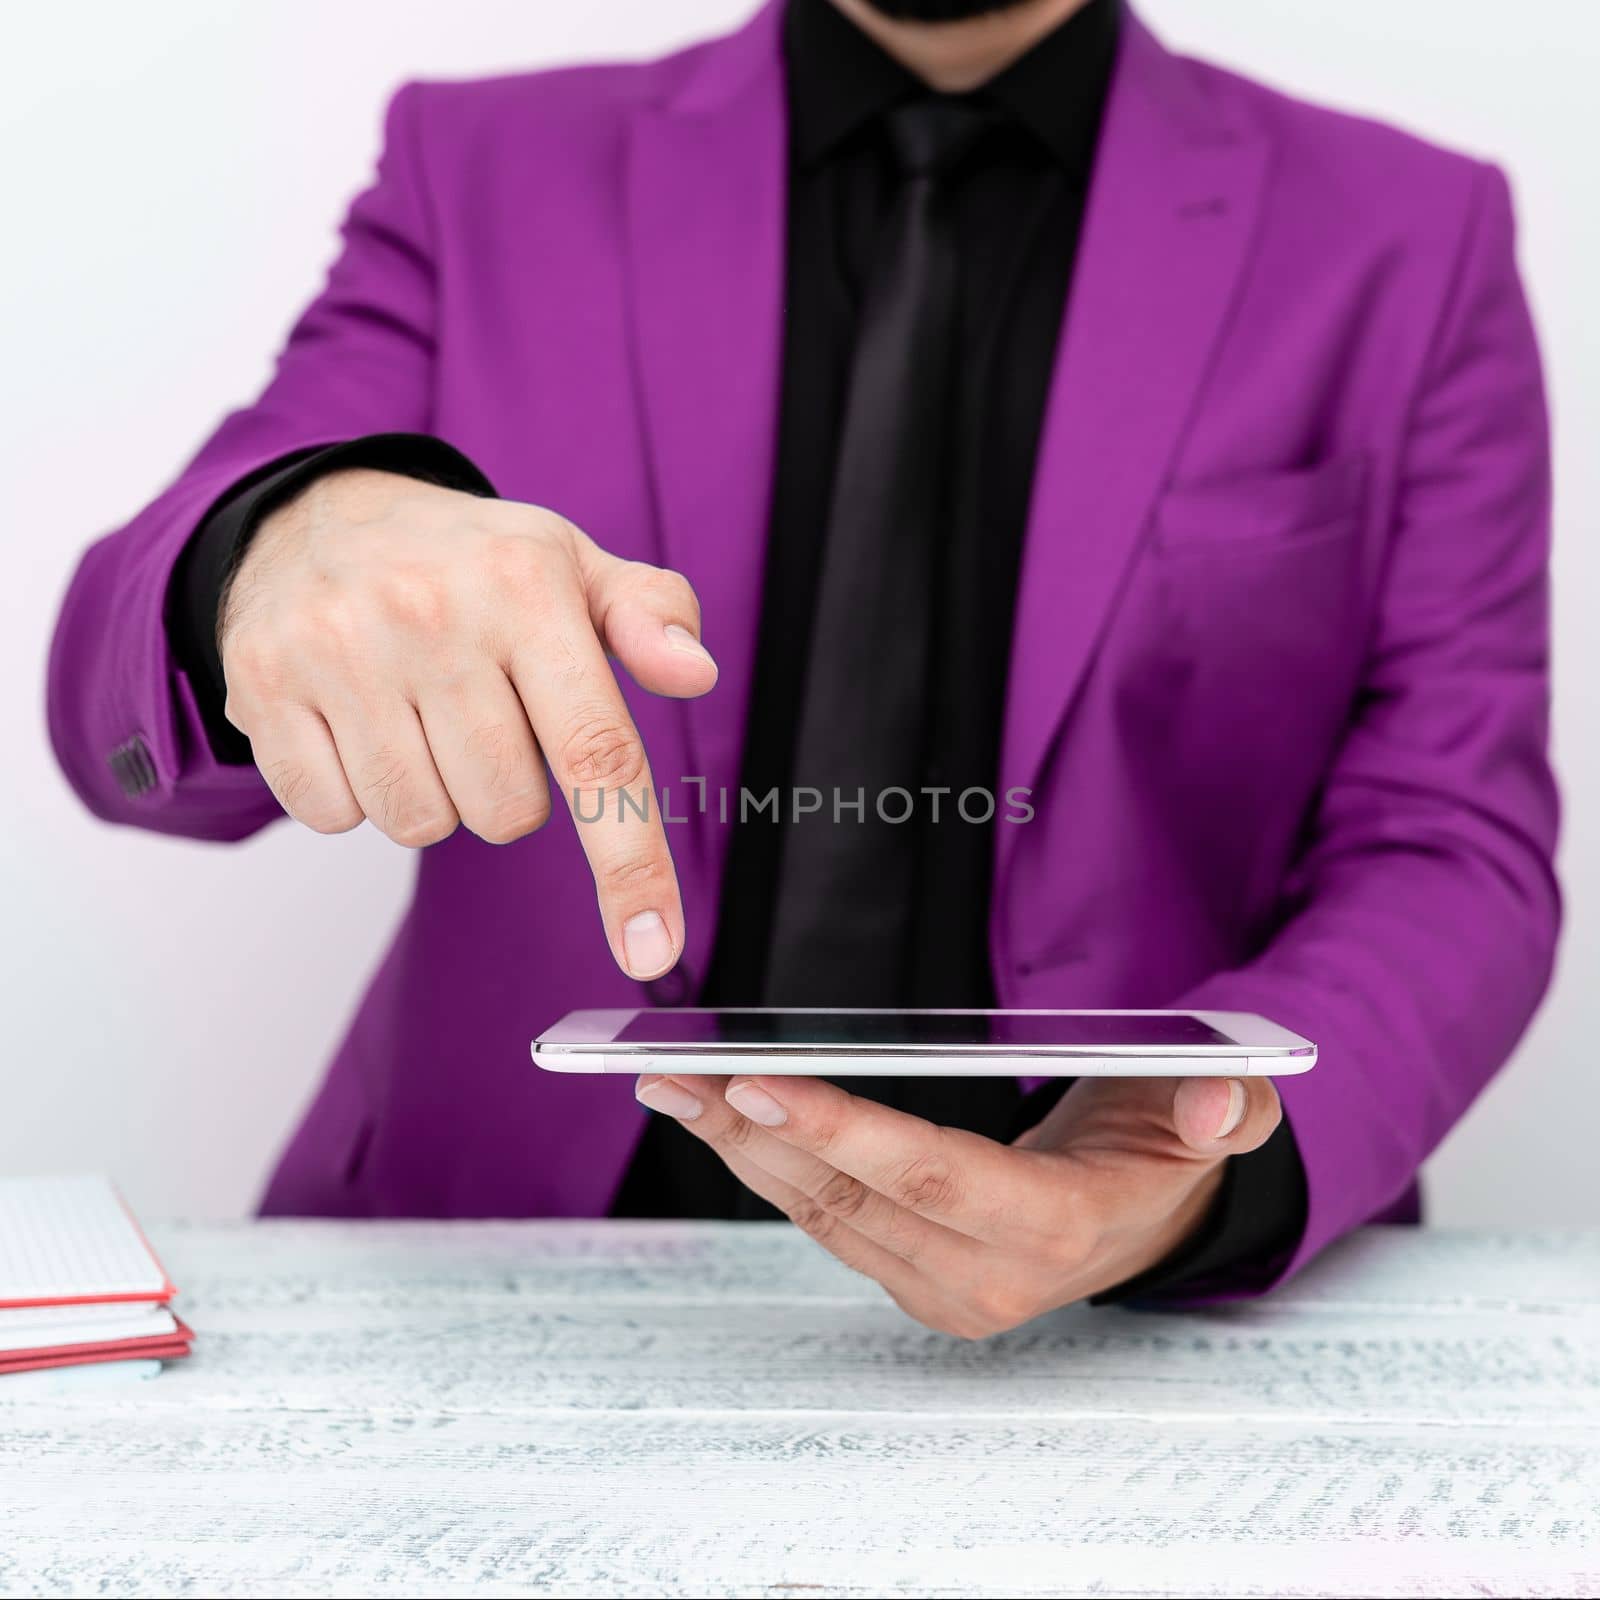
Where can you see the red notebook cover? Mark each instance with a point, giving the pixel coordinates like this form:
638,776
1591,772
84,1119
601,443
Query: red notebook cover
149,1350
60,1355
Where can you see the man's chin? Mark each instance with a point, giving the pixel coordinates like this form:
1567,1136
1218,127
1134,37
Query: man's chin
937,10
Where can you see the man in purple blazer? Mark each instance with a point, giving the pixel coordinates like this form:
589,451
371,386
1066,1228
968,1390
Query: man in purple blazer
916,398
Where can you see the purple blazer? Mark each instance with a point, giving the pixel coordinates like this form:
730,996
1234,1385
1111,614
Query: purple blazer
1279,676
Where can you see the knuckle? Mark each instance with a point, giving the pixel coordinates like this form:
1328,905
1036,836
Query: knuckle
941,1316
239,708
533,544
512,817
813,1221
390,800
320,807
822,1134
842,1196
665,590
504,756
1000,1305
736,1132
383,776
964,1324
902,1238
601,750
492,743
1064,1252
416,599
253,662
630,876
514,563
549,529
341,821
416,830
927,1182
338,816
337,624
290,782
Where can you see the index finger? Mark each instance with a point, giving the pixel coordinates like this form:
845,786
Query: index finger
945,1174
598,761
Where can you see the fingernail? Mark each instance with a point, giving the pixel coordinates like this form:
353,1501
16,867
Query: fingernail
745,1095
646,945
670,1099
1234,1115
681,640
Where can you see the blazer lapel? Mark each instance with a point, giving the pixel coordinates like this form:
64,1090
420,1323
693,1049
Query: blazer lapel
1168,223
706,195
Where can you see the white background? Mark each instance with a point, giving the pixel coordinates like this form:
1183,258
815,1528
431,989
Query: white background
172,174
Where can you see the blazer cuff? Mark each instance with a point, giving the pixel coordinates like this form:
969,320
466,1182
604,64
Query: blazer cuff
201,574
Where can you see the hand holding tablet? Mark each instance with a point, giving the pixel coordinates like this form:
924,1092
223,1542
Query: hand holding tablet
968,1235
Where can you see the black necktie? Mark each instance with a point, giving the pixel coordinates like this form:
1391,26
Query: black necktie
847,874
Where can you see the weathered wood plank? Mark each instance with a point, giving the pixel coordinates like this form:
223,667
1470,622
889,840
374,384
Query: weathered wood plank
513,1318
649,1504
868,1358
647,1409
1440,1270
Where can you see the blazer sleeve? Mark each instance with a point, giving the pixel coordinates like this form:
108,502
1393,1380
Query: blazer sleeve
122,714
1420,921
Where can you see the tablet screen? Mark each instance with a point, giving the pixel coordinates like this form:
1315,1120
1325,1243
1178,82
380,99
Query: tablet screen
916,1029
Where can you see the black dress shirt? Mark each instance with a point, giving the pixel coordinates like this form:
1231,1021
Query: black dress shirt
1017,210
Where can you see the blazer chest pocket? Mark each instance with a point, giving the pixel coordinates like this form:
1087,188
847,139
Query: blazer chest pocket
1247,616
1264,508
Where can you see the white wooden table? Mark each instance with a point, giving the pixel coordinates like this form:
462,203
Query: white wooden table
636,1408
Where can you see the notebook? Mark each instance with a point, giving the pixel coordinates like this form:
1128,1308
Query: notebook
33,1326
66,1241
79,1283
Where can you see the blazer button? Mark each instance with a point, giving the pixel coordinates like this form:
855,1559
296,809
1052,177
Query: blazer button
671,988
133,767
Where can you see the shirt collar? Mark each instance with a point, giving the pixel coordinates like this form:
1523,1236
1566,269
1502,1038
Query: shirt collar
839,81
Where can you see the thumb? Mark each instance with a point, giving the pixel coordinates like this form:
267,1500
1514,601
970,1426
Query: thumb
1225,1116
649,619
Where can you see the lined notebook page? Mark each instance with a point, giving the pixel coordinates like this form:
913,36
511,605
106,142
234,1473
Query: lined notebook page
70,1239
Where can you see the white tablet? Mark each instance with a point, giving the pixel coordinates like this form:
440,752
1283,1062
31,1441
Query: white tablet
924,1044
